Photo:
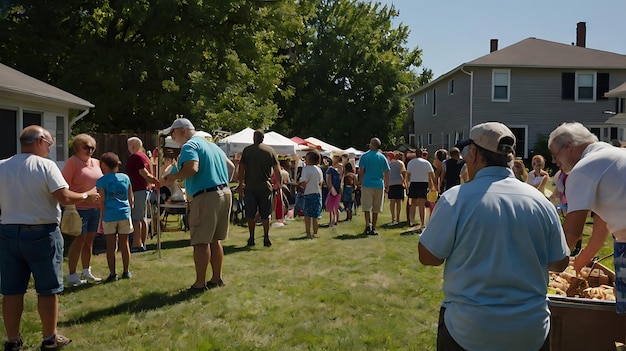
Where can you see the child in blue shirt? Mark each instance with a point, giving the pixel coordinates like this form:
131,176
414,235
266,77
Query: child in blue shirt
116,200
312,179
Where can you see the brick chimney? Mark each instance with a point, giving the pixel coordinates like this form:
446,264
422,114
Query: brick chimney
493,45
581,34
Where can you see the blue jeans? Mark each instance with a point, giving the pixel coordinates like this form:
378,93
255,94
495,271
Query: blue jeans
26,249
91,219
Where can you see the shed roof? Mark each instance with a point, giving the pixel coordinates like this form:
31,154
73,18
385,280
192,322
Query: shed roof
13,81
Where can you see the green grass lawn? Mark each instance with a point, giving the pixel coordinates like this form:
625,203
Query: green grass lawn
343,291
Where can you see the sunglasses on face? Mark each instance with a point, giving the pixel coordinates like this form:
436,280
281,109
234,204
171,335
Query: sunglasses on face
89,148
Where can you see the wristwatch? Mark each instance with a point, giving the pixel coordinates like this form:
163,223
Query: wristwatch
85,196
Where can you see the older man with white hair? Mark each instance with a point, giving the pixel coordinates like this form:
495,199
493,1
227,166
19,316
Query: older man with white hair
138,168
595,182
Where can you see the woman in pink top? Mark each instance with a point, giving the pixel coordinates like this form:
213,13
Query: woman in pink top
81,172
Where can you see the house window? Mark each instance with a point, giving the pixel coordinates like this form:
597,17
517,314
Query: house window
458,137
501,85
8,133
434,102
420,141
30,119
412,140
430,138
520,140
451,87
60,138
603,133
425,101
585,86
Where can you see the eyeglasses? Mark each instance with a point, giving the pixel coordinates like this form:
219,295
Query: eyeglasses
89,148
554,156
50,142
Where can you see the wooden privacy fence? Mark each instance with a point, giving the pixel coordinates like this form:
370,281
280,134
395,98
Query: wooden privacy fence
117,143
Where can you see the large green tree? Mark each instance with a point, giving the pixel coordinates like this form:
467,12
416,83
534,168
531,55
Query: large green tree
351,74
141,62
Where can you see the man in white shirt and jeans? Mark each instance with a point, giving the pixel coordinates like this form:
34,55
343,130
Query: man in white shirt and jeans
595,182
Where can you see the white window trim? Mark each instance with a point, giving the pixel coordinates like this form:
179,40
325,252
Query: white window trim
594,87
451,87
525,127
493,86
604,129
425,99
434,102
430,138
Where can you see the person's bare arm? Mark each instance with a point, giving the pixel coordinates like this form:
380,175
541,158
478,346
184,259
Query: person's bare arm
65,196
427,258
573,226
230,167
360,178
558,266
595,243
241,172
432,183
131,197
277,175
386,180
149,177
188,169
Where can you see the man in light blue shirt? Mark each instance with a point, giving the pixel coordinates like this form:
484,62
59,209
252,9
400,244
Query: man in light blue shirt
498,237
374,183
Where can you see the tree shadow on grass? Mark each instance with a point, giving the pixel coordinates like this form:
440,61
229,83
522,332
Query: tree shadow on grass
410,232
231,249
351,236
151,301
300,238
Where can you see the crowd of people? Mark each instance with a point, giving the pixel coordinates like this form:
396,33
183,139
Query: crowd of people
467,189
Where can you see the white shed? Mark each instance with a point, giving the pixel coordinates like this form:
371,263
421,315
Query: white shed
25,101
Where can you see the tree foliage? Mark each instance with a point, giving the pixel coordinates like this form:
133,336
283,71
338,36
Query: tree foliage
141,62
334,69
351,75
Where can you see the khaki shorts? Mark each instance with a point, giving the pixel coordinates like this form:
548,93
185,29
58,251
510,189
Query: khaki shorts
209,216
372,199
124,226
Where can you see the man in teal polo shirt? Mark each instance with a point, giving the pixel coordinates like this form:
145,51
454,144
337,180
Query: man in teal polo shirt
205,169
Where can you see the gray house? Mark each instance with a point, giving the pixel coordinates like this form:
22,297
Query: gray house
531,86
25,101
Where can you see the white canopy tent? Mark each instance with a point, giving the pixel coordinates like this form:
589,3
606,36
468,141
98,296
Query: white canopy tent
353,152
237,142
327,149
169,142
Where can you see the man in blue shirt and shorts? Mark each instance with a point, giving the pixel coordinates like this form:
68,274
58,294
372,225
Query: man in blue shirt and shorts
498,237
205,169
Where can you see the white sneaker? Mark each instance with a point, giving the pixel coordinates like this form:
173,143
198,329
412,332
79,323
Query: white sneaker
88,276
278,224
74,279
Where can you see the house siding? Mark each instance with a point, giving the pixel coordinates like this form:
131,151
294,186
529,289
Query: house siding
535,103
452,112
49,114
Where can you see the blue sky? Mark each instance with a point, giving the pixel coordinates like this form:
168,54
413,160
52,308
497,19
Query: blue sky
451,32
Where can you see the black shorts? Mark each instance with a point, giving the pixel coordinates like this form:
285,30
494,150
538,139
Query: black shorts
396,192
258,200
418,190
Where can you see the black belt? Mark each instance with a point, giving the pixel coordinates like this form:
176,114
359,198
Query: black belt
32,227
208,190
